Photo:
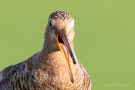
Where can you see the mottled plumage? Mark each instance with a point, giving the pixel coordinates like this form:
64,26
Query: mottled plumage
55,67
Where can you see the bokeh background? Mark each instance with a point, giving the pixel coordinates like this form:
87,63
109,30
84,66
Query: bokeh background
104,42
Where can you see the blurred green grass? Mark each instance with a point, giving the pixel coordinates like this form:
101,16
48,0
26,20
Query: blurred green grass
104,42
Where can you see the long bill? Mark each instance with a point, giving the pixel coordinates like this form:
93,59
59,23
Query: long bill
66,50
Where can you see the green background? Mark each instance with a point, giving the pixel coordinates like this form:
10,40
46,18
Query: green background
104,42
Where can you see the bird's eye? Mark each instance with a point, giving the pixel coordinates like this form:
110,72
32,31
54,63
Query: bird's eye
50,23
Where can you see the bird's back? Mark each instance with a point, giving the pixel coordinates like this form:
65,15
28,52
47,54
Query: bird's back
9,74
18,76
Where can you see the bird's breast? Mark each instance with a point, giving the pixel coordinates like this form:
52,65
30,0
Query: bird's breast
55,72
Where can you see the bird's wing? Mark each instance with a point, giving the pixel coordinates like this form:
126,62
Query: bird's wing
87,85
2,73
8,73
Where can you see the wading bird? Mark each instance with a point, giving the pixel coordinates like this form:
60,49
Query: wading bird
55,67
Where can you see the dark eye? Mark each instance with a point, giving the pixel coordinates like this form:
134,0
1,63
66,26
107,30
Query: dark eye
50,23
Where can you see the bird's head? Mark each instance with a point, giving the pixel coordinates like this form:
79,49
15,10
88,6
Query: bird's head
60,33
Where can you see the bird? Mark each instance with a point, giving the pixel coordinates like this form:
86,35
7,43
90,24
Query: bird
55,66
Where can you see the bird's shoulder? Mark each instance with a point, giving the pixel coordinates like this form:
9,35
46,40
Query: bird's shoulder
87,85
10,71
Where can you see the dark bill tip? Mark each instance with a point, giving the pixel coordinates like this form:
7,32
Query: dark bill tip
72,80
72,56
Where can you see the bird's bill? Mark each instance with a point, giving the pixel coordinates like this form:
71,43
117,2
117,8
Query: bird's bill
64,47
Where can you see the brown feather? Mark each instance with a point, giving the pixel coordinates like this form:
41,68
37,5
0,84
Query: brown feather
47,69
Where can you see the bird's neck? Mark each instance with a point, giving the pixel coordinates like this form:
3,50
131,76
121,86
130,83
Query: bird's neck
51,53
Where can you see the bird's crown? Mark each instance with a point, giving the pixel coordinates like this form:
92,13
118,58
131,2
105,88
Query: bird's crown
60,15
